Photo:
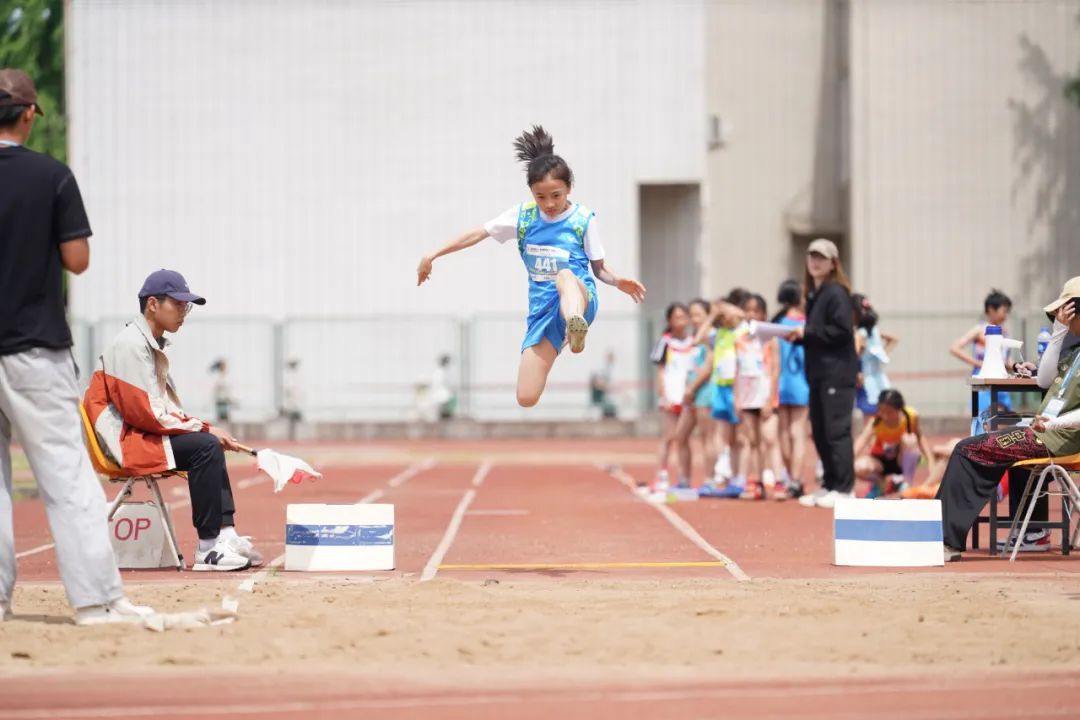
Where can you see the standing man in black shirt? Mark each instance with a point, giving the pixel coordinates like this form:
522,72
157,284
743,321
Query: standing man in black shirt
832,367
44,230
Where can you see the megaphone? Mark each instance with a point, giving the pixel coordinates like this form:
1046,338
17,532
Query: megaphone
997,346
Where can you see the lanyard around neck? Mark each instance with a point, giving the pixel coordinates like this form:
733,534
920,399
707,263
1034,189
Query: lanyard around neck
1069,375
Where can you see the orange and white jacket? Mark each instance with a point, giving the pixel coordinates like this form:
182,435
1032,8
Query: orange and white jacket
133,405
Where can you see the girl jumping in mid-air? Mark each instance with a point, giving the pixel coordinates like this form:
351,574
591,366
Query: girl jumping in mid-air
558,240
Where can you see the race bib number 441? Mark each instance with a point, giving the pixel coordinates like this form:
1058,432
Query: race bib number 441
545,262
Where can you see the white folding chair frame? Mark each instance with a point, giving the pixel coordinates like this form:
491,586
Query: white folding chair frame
1053,471
159,502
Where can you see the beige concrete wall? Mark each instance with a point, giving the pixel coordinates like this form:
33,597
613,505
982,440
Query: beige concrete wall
965,155
772,76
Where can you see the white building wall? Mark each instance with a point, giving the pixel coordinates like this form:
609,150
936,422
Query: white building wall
965,153
772,81
965,172
296,159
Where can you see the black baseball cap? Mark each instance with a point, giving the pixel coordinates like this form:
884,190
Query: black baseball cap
171,283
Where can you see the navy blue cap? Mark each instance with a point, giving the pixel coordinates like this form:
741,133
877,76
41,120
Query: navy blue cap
171,283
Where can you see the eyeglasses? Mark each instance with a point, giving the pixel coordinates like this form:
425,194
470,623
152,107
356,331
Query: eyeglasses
182,306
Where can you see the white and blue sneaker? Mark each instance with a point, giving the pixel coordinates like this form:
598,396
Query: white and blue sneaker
1034,541
220,558
241,545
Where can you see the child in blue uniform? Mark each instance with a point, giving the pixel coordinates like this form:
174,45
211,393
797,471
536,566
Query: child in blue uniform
558,241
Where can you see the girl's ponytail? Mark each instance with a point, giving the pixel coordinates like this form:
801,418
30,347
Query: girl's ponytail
536,148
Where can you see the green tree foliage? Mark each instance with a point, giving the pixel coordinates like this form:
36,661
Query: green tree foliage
1072,91
32,39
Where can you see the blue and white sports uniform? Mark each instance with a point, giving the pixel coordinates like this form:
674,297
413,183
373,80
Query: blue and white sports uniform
548,245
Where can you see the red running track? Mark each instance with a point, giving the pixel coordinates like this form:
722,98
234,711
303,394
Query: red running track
541,515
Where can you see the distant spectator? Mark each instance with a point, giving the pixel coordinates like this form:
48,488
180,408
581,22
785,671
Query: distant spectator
600,387
674,360
996,309
292,396
873,346
442,397
794,390
222,392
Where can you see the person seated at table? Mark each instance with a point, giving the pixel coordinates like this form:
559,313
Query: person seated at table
977,463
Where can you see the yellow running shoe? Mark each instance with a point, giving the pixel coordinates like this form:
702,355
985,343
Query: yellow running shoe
576,328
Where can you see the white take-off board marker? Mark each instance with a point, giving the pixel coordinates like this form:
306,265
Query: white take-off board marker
888,533
339,537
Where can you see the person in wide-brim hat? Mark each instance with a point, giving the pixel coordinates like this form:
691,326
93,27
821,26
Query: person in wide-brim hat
976,465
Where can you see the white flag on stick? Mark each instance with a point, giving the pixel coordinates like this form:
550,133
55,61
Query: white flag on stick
285,469
282,469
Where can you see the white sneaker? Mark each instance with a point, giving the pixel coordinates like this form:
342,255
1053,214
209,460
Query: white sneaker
1035,541
220,558
241,545
722,469
811,499
828,500
120,610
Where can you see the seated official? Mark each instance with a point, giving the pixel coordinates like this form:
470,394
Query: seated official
133,405
977,463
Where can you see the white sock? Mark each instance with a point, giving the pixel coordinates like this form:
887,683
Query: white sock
205,544
768,477
739,481
227,533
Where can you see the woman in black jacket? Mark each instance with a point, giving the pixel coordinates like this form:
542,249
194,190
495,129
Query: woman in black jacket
831,370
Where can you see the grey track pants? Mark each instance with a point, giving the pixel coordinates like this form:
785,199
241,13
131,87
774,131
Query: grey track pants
39,400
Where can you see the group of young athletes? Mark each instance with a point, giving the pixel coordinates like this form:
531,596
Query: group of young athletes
741,399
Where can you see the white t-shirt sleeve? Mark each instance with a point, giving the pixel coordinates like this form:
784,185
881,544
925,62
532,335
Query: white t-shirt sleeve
504,227
594,249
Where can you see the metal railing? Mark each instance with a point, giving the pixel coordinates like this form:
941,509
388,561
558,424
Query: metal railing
373,368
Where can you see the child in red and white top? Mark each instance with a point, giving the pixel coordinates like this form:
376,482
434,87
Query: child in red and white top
674,358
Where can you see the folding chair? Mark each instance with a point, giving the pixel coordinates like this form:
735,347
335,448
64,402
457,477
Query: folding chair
115,474
1046,470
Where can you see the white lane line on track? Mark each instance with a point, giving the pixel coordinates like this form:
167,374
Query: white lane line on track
497,513
34,551
411,471
572,697
679,524
248,585
432,567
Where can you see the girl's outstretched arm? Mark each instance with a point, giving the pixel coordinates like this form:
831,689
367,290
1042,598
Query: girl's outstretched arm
628,285
465,240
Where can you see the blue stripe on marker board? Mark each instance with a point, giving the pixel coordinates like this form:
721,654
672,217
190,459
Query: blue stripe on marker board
339,535
889,530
